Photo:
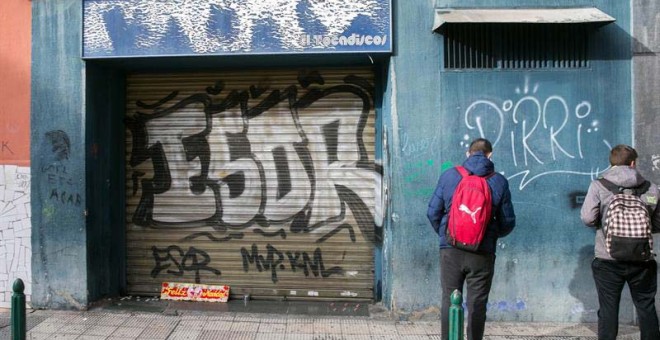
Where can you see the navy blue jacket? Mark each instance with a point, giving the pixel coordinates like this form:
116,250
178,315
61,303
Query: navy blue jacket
504,218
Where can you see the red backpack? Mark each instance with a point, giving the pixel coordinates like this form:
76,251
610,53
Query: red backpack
470,211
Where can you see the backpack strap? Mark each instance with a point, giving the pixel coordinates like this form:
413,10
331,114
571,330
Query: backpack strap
615,189
463,171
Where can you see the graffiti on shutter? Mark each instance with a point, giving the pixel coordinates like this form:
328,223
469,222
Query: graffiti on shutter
268,173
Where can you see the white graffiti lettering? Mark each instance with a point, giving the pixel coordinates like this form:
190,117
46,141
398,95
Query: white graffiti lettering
546,133
256,158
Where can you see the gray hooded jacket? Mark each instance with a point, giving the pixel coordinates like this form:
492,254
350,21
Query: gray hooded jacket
598,197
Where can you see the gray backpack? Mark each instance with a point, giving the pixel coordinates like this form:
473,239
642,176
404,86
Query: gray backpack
627,224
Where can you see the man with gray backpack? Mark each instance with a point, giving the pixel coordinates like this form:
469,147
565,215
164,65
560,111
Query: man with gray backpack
623,208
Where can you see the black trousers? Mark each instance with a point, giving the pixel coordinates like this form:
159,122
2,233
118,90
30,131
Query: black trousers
610,277
475,269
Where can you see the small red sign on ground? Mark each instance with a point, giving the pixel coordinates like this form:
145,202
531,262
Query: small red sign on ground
194,292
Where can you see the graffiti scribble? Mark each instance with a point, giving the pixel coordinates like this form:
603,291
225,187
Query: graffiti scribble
275,260
60,144
252,184
178,263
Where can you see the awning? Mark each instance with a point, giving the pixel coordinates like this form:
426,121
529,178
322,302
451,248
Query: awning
521,15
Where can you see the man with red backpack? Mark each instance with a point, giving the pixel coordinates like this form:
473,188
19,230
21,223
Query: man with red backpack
470,209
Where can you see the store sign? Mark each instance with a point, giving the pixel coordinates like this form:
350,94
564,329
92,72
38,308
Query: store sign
194,292
125,28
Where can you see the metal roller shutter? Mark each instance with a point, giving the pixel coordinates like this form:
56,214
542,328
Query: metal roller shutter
261,180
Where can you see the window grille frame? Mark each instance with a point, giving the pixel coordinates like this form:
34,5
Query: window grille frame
516,46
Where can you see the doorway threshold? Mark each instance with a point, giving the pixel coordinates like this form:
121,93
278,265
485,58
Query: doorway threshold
168,307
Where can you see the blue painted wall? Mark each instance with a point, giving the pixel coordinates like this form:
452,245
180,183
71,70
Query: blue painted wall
552,130
78,138
59,259
543,268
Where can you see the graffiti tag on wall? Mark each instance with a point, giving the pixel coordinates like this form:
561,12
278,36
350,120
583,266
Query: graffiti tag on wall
538,134
176,262
60,181
256,161
5,148
275,260
254,188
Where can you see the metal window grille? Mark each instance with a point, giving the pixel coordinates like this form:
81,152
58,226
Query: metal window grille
516,46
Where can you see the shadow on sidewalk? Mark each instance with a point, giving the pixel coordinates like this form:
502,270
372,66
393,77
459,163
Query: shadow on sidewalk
582,287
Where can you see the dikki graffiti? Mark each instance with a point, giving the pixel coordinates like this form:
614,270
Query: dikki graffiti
292,162
541,135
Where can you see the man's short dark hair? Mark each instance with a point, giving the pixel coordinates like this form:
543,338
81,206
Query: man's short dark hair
622,155
481,144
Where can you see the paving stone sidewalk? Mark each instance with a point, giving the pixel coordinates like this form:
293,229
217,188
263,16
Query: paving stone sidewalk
204,325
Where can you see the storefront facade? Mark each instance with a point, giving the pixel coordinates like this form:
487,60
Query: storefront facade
289,149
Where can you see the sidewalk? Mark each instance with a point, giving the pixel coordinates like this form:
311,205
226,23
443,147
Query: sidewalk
201,322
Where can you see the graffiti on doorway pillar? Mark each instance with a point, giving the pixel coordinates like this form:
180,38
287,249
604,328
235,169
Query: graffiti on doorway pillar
277,170
61,183
539,134
60,144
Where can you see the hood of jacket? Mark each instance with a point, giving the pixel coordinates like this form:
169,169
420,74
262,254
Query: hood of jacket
478,164
624,176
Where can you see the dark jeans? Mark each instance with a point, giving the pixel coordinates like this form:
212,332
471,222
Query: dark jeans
475,269
610,277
